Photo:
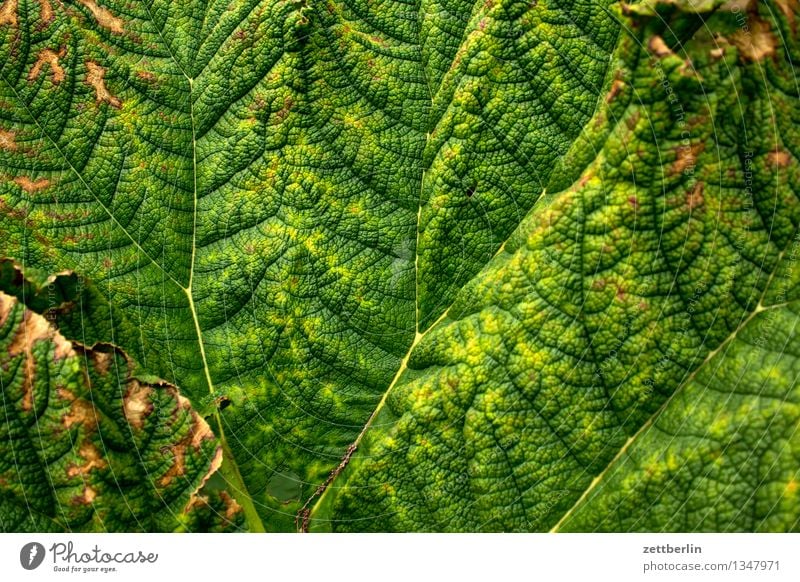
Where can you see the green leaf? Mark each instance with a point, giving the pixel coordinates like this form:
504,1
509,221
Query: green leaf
575,345
86,446
428,265
723,453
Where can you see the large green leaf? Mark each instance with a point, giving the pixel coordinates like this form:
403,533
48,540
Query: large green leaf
448,265
603,311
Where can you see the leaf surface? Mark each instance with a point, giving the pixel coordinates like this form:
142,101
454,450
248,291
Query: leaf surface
426,265
619,307
86,446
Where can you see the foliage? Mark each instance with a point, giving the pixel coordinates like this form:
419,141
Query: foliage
435,265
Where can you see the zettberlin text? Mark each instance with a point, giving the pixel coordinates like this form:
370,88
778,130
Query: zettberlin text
670,549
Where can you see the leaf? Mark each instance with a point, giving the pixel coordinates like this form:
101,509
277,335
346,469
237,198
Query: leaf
617,311
427,266
88,447
741,472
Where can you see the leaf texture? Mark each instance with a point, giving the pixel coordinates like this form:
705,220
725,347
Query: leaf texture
88,447
425,265
612,296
